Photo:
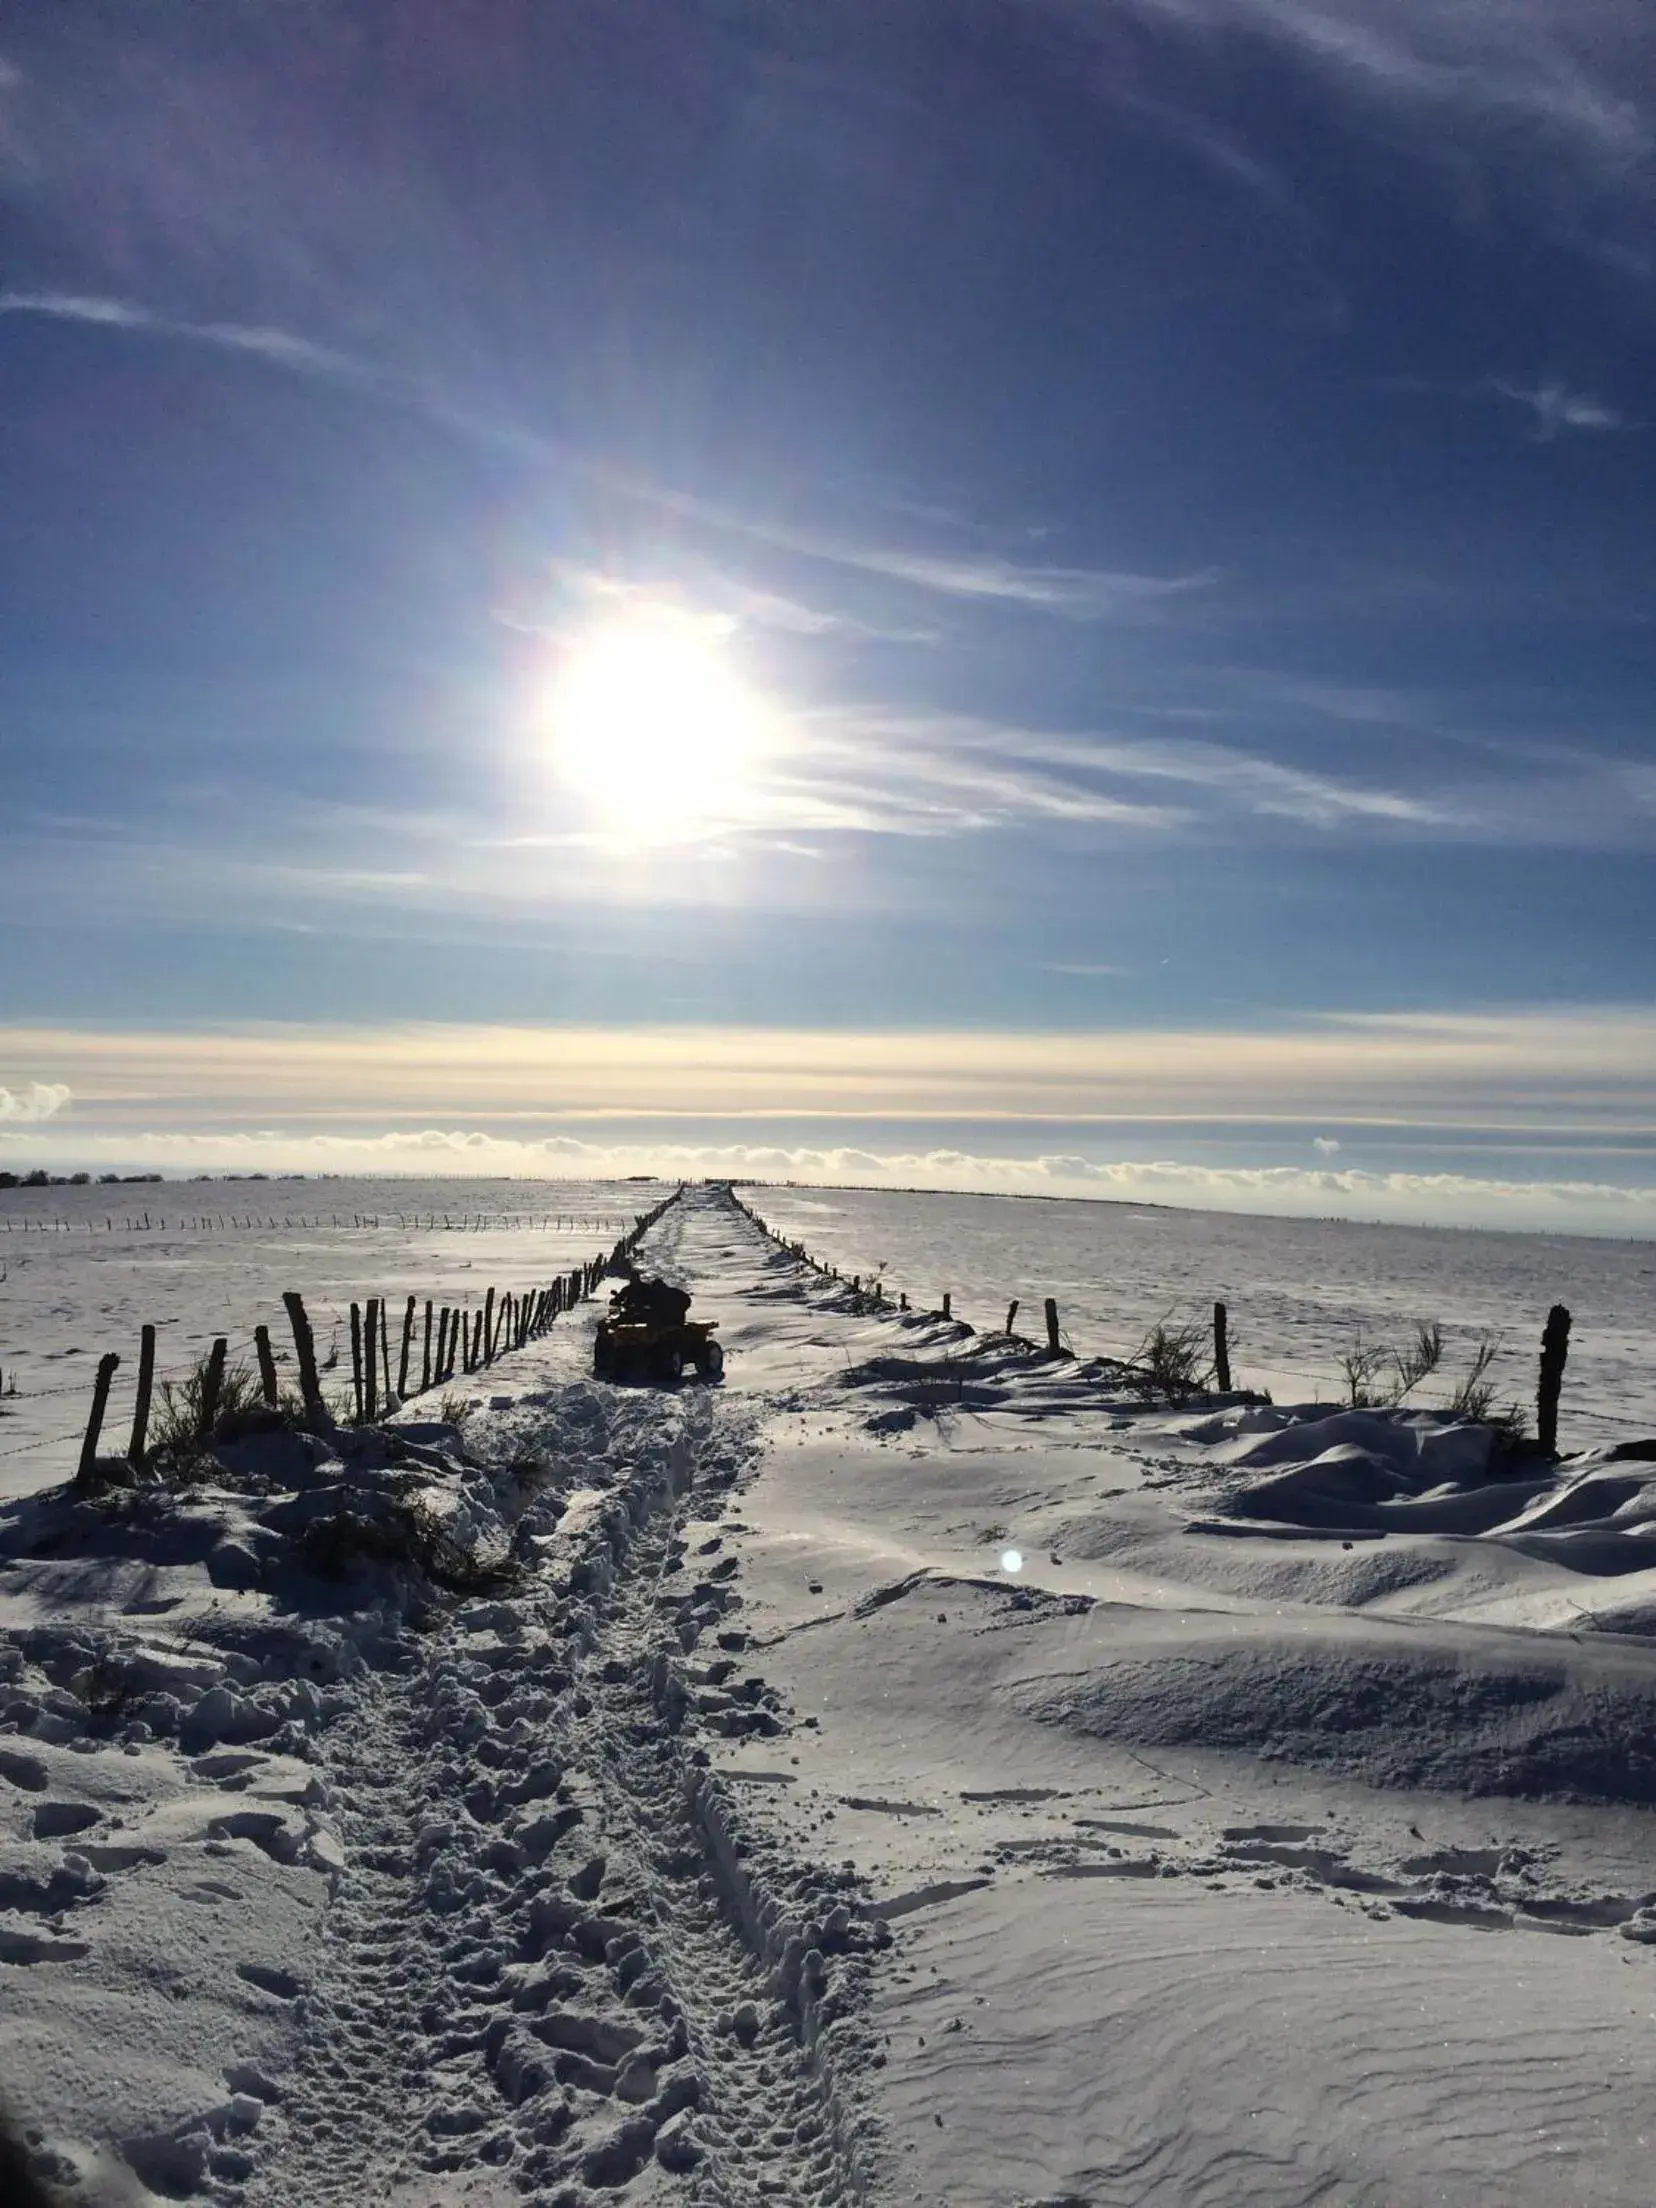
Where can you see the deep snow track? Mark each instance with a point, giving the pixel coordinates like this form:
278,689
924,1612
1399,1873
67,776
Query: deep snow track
552,1970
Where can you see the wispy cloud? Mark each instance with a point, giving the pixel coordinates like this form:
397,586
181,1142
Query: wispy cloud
1081,593
1264,787
281,347
1546,103
1556,408
1566,68
1590,1069
976,576
699,592
1075,593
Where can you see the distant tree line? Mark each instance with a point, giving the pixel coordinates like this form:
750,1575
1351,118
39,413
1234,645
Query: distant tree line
40,1178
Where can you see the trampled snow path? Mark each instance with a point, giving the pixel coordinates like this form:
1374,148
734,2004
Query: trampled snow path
564,1990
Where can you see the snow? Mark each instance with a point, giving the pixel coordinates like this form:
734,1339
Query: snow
81,1273
913,1770
1298,1291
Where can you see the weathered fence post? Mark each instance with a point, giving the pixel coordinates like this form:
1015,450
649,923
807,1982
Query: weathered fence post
407,1345
1011,1313
1555,1348
370,1348
425,1354
488,1326
139,1446
1221,1349
356,1357
304,1348
385,1346
947,1299
267,1365
94,1424
212,1383
1054,1348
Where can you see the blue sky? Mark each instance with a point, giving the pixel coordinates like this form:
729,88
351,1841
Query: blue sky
1161,490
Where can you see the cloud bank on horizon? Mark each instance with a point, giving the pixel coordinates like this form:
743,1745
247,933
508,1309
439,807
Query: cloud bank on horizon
1118,527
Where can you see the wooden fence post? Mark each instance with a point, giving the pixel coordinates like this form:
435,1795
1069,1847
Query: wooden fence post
304,1348
407,1345
356,1357
488,1326
1053,1347
385,1346
1221,1349
94,1425
947,1313
1555,1348
425,1355
138,1448
267,1365
1011,1313
212,1383
370,1356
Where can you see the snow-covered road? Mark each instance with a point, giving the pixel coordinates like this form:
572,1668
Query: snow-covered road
857,1783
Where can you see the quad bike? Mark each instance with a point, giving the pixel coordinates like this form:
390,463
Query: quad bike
647,1337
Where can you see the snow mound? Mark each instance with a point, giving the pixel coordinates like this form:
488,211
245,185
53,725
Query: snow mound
1396,1706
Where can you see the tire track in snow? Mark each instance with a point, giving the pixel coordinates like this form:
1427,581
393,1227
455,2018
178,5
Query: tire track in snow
547,1976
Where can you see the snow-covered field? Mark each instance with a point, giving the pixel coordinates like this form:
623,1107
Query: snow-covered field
914,1770
1298,1291
83,1269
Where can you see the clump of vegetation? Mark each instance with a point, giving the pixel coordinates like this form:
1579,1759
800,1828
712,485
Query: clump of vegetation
455,1408
1379,1376
1174,1361
179,1427
108,1691
413,1535
1474,1398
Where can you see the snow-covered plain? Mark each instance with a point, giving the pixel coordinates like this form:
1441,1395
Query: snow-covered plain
1299,1291
914,1770
81,1272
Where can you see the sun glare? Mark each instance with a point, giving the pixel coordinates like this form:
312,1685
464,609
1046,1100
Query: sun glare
653,727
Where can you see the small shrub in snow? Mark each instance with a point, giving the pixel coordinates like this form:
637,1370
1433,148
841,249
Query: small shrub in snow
177,1428
1379,1376
1172,1361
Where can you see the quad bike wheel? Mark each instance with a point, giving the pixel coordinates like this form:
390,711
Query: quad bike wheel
710,1361
668,1364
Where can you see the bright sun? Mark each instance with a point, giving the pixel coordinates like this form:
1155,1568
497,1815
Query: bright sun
653,726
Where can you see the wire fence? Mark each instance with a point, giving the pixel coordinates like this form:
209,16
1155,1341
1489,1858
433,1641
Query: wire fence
433,1342
418,1222
1365,1386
